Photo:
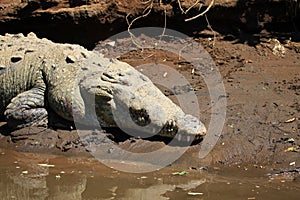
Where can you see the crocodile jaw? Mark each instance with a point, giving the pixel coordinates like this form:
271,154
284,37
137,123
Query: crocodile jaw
152,119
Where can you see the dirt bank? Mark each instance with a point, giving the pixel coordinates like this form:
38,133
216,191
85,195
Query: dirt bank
261,79
87,22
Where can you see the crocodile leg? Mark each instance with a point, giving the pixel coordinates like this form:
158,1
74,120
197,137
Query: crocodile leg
27,109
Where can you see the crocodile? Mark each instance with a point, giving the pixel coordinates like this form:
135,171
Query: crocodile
38,76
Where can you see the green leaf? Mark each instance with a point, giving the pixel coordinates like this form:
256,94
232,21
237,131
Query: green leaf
180,173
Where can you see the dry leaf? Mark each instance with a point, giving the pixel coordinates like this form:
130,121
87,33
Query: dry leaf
195,193
46,165
293,149
291,120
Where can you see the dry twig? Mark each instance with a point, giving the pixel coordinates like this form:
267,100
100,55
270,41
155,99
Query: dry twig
203,13
145,2
165,23
185,12
210,28
149,8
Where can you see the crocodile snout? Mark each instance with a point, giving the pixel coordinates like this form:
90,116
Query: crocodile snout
186,129
191,129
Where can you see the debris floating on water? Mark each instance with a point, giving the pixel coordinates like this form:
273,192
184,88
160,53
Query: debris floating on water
291,120
195,193
180,173
292,149
57,177
45,165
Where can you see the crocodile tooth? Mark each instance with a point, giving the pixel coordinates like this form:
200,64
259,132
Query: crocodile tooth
188,138
173,123
139,119
153,130
179,137
169,123
166,125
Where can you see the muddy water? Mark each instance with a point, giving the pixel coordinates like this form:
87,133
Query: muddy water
41,176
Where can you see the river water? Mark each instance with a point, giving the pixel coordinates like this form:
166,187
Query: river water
41,176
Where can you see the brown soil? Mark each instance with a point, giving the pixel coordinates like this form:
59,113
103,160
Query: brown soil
262,86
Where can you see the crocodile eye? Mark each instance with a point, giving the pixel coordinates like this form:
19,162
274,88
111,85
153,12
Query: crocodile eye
139,116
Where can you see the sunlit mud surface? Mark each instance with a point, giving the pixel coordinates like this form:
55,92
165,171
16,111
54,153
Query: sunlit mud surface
43,176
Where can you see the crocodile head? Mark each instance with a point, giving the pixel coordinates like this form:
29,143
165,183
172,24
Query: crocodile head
126,98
